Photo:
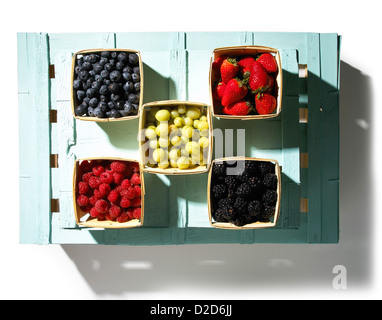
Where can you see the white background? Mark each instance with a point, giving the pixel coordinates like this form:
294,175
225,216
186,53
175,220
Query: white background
268,271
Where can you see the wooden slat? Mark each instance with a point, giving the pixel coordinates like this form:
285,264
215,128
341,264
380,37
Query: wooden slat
304,160
34,137
54,160
303,205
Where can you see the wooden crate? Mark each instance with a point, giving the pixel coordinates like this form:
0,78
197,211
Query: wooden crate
170,170
241,51
74,101
255,225
94,222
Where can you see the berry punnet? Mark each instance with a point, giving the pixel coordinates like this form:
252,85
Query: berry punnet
106,190
107,84
245,85
245,197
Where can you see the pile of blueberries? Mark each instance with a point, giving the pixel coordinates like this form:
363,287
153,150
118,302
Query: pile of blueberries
107,85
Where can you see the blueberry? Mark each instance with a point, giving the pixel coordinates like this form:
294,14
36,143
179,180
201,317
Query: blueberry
114,55
128,107
137,86
109,67
137,70
91,112
90,93
92,73
133,98
128,86
99,113
93,102
113,62
104,98
77,84
135,107
128,70
113,87
77,69
123,113
126,76
114,97
103,89
96,85
122,56
105,74
106,81
81,94
120,104
97,67
80,61
86,66
81,109
115,113
108,114
119,65
133,58
115,76
106,54
103,61
135,77
103,106
83,75
112,105
98,77
92,58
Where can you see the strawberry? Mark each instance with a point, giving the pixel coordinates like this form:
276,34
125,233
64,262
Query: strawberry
239,108
218,62
228,69
269,62
259,79
271,84
235,90
265,103
218,91
245,65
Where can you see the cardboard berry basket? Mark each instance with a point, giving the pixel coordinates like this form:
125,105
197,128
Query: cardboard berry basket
147,161
240,51
255,225
74,99
84,219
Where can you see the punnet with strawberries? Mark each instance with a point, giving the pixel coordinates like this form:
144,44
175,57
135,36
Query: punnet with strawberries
245,84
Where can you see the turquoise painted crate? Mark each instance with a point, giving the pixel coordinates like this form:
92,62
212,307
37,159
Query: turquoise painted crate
176,67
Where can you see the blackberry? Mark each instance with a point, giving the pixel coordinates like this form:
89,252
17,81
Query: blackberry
244,190
222,215
231,182
240,205
225,203
266,167
269,212
270,181
251,168
219,168
219,191
255,208
269,196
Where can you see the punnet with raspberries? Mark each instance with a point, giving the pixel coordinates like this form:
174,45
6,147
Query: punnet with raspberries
108,193
245,82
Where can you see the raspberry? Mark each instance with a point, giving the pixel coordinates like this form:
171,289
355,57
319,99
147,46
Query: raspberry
106,177
125,202
135,179
135,166
113,196
97,170
117,178
86,176
94,182
104,189
97,194
94,212
86,208
125,184
123,218
82,200
101,216
93,200
118,166
102,206
83,187
129,213
85,166
128,193
114,211
137,213
109,217
136,202
137,190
